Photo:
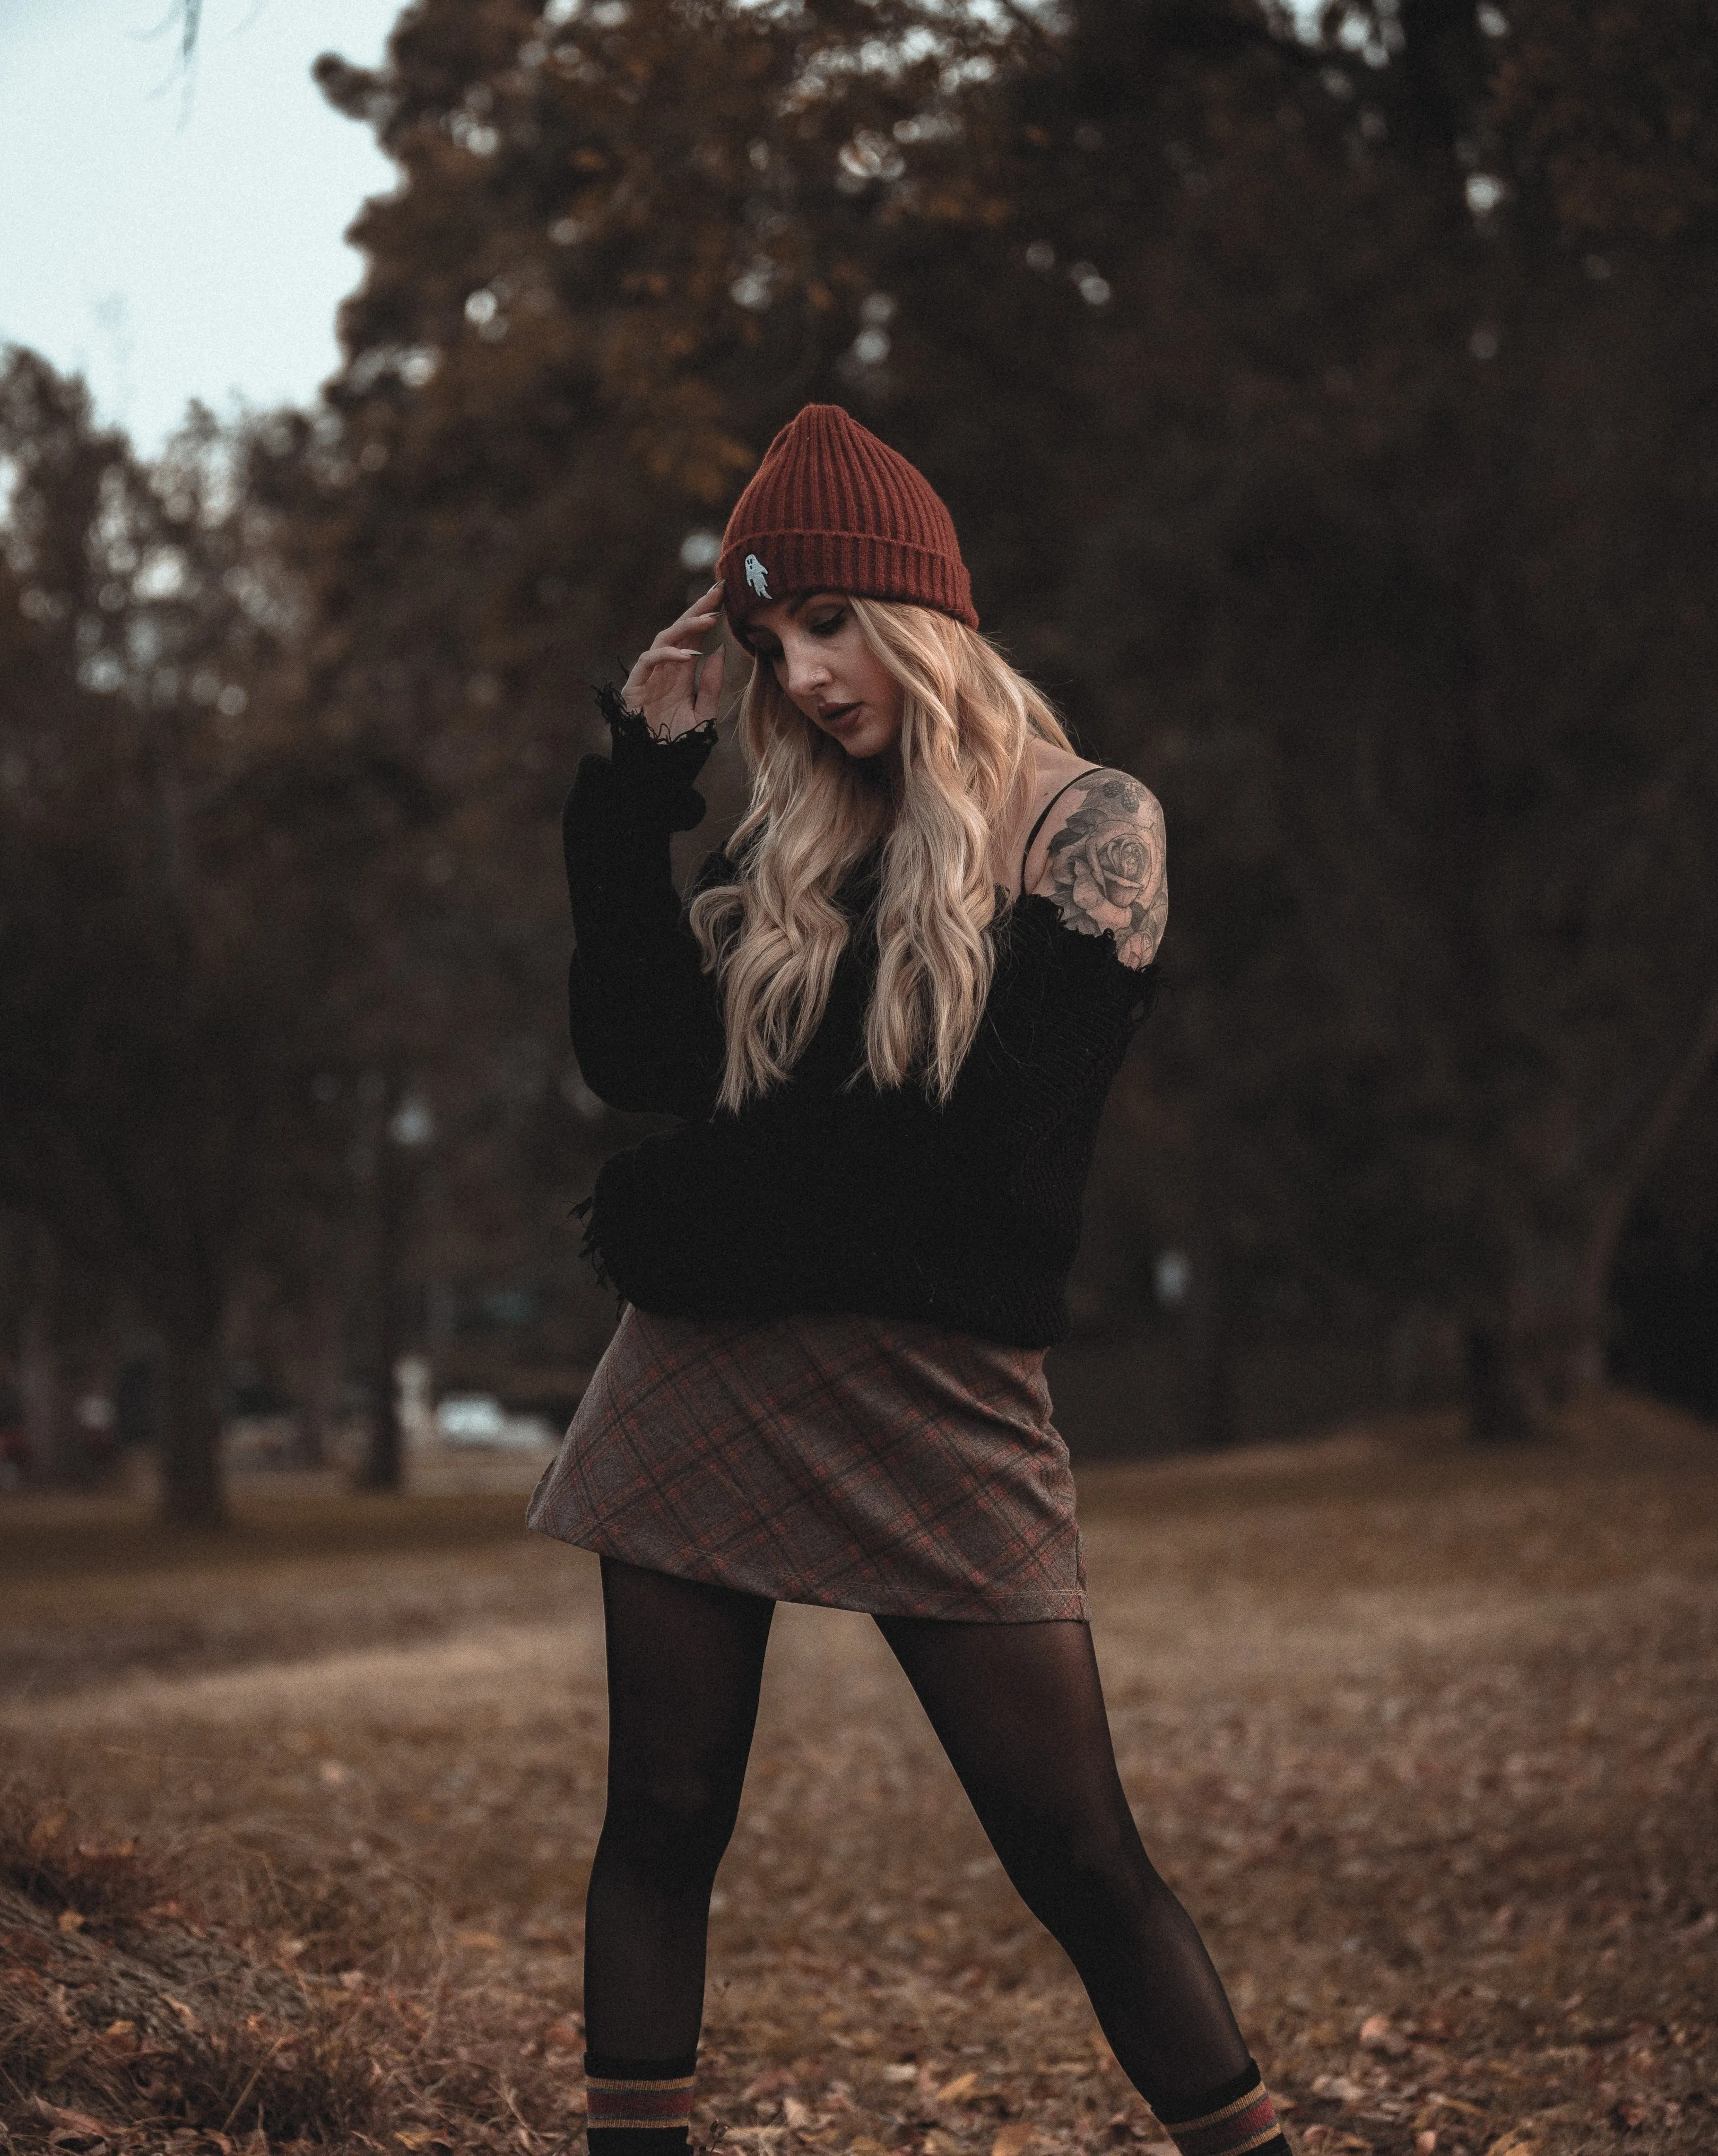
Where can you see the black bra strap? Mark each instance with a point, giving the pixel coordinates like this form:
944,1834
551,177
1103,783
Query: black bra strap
1032,835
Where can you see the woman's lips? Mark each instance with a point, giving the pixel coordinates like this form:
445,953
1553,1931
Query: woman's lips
839,717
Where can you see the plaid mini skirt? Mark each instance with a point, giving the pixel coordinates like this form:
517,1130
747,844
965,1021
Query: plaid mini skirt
860,1463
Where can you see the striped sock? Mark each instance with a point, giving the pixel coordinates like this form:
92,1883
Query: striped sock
638,2106
1236,2118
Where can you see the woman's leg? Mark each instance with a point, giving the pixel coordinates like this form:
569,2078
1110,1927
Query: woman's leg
684,1664
1019,1710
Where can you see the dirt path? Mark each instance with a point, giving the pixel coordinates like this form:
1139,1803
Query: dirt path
1426,1745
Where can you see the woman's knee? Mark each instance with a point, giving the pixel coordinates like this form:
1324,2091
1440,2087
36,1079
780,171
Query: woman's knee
1082,1859
673,1815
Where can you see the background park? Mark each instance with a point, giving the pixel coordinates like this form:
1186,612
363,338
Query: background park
1325,403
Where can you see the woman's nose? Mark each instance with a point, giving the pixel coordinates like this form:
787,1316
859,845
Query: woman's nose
808,672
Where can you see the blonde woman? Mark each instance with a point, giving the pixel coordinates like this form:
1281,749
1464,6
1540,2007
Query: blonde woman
888,1018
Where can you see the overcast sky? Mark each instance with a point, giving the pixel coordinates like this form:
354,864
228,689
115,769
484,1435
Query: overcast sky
171,241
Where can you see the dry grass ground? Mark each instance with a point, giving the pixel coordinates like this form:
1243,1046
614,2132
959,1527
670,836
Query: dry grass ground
298,1826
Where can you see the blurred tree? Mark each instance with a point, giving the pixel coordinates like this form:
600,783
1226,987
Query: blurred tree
1667,1286
1389,569
620,250
1327,422
163,970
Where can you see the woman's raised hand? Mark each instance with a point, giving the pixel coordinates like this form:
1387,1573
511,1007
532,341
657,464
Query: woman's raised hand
672,684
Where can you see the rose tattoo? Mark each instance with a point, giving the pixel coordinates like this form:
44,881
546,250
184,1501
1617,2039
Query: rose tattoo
1106,868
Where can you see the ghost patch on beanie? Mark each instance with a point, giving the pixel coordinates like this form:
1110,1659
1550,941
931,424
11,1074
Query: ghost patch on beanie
832,508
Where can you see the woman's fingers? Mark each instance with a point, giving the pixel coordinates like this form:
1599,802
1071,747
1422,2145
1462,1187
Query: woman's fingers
677,705
707,602
694,625
704,610
646,664
660,650
709,685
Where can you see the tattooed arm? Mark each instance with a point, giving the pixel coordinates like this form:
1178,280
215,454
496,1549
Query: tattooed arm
1104,866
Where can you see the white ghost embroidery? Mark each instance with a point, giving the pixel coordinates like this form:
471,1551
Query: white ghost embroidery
757,576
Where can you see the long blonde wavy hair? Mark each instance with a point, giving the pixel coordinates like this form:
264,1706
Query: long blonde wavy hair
965,778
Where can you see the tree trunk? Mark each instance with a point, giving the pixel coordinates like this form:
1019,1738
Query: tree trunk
320,1367
1506,1400
1210,1338
381,1470
39,1383
193,1383
1587,1367
1516,1336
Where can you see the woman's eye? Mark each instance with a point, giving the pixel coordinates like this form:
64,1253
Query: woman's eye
827,624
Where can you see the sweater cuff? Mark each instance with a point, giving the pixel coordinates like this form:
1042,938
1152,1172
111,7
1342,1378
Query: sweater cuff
655,772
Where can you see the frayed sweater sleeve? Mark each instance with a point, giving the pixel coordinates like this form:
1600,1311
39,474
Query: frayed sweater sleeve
645,1021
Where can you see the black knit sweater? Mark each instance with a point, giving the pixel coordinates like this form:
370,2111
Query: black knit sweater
825,1195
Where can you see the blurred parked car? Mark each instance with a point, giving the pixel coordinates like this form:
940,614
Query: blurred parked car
480,1420
262,1441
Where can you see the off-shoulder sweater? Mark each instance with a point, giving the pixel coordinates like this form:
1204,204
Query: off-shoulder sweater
826,1194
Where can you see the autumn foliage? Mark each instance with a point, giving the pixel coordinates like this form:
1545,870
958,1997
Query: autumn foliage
1326,415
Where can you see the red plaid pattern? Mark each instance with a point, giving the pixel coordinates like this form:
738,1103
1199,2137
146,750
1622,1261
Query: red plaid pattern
862,1463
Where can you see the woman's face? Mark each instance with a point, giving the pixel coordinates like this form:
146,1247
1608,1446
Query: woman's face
825,667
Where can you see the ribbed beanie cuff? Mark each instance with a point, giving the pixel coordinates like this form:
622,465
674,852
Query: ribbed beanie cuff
832,508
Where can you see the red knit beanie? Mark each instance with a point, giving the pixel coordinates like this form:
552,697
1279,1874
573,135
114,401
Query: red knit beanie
832,509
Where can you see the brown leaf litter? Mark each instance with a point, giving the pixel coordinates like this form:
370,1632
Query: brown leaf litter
1425,1741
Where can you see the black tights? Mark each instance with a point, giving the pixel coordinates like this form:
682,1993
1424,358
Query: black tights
1019,1711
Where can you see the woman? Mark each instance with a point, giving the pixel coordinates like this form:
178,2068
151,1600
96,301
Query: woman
889,1016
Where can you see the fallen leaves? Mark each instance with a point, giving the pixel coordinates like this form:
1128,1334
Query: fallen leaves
1339,2087
72,2129
876,1989
1376,2035
91,1880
